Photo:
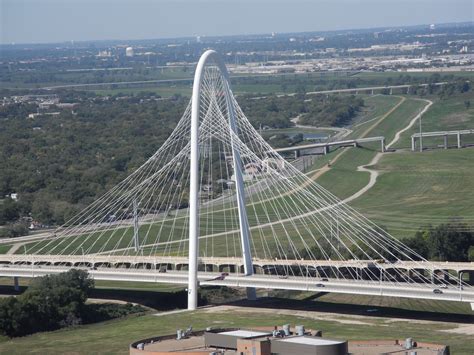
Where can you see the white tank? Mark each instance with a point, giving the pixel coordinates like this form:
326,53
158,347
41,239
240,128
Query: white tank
129,52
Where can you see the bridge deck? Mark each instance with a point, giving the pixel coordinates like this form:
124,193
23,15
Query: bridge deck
156,260
361,287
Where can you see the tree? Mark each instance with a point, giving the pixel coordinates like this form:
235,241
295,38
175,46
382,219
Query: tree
447,242
51,302
470,253
9,211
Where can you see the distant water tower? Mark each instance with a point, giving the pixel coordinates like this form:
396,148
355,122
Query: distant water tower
129,52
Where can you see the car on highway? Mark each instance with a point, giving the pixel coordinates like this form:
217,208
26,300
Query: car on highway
320,285
443,286
437,291
221,277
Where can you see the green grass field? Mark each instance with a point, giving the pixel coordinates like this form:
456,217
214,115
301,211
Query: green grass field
417,189
343,179
4,248
114,337
445,115
414,189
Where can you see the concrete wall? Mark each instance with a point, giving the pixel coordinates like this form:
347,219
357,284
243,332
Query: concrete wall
285,348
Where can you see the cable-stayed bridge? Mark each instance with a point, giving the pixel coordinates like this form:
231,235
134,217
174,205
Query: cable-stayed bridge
216,199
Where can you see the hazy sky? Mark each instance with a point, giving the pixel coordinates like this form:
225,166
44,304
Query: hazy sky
31,21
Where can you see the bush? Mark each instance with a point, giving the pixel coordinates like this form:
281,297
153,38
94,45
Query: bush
14,230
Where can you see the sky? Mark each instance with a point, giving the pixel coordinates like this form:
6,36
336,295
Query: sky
43,21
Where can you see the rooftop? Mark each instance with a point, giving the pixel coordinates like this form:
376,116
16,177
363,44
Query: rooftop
241,333
310,340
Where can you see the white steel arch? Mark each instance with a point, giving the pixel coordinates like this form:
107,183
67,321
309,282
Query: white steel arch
194,180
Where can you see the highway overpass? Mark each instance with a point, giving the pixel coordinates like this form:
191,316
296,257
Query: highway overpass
325,147
444,134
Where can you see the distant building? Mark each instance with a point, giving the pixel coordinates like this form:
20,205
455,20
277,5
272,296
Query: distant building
129,52
104,54
432,27
198,39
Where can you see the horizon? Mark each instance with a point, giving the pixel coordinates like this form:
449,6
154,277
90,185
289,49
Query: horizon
368,29
37,22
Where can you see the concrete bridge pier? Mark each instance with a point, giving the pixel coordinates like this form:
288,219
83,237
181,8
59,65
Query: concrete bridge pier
459,139
297,154
16,284
326,149
230,268
412,144
446,142
470,278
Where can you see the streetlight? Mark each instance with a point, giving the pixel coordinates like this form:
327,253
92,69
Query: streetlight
421,136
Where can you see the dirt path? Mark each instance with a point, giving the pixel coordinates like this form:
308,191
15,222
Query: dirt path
384,116
375,173
367,131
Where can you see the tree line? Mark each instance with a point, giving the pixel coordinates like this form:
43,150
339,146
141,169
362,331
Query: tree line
58,165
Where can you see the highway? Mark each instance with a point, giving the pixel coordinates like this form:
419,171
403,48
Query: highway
298,283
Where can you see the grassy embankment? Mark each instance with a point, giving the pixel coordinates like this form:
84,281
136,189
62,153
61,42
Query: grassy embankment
414,189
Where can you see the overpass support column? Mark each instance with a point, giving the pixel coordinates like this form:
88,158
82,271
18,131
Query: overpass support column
16,284
297,154
446,142
412,144
391,91
326,149
382,145
459,139
470,280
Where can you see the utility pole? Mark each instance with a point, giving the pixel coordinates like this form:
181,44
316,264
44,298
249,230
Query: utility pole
421,137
